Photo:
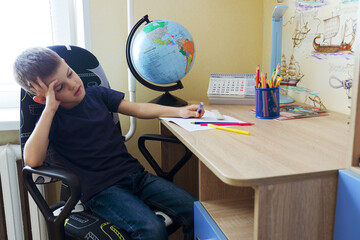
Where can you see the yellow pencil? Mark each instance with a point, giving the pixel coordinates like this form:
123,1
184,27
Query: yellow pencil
229,129
278,82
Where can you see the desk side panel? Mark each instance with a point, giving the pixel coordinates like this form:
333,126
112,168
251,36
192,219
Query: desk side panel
303,209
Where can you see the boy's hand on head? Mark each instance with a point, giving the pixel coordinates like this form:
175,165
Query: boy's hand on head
39,87
50,97
191,111
45,94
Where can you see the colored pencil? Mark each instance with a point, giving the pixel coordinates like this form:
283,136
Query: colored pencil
227,124
230,129
257,76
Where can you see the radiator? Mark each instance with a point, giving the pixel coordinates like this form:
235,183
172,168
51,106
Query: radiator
13,204
9,154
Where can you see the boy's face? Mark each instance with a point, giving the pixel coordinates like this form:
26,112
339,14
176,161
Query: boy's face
69,89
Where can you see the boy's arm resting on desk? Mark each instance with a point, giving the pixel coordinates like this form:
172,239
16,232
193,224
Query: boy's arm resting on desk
151,110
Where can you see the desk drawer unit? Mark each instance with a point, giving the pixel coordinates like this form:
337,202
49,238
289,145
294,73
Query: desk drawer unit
347,215
205,227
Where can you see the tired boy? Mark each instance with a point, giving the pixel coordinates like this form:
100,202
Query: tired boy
77,123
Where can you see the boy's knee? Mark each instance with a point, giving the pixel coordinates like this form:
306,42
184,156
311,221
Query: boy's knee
158,229
152,230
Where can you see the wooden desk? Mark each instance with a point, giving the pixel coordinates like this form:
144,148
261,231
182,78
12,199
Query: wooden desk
278,183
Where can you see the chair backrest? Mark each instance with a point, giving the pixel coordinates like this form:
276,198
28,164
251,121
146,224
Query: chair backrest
86,65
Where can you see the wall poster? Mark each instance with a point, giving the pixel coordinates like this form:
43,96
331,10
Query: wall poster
318,52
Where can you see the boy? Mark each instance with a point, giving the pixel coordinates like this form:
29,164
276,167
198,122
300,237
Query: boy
78,125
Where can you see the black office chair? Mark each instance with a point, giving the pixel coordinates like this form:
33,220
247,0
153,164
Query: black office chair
69,224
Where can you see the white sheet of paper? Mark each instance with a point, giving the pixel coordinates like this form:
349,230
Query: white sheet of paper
187,123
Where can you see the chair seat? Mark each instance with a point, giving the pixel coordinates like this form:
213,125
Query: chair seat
87,225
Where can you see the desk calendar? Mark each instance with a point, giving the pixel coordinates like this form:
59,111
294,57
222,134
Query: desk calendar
231,89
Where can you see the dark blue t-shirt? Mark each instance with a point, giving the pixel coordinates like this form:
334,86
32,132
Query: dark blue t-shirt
90,144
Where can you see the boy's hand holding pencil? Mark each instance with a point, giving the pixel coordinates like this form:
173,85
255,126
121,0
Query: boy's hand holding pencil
192,111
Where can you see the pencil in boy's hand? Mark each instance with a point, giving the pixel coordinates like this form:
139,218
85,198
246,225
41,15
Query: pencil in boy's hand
199,109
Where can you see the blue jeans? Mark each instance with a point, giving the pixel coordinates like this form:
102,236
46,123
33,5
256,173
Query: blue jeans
128,204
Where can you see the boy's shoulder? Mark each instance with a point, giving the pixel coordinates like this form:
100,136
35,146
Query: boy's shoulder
102,89
98,89
105,94
94,88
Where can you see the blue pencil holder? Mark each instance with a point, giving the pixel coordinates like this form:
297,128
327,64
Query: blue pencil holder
267,103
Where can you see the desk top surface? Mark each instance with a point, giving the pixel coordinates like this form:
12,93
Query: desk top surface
273,151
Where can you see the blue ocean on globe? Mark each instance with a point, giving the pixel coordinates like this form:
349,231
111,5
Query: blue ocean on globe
163,52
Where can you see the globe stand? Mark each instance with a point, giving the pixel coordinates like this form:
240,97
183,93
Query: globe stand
167,99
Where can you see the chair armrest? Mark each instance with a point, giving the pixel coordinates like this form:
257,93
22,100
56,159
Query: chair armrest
156,137
55,224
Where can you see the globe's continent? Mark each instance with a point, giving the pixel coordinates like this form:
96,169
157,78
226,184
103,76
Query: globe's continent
163,52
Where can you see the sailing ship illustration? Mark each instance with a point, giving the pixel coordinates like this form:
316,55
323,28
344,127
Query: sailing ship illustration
300,34
290,74
331,29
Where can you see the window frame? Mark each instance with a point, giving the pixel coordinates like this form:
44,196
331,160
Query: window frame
73,22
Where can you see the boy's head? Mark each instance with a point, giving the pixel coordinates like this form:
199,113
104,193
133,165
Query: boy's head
43,64
35,62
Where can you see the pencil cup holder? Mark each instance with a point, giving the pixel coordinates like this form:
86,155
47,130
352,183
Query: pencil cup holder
267,103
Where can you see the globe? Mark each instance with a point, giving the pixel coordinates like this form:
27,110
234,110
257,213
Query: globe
160,54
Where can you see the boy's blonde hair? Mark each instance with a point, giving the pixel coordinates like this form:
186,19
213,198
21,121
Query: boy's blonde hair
35,62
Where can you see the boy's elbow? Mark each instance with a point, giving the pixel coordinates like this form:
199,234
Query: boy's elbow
33,158
32,162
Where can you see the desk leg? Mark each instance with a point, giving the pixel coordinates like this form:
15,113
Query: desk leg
301,209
